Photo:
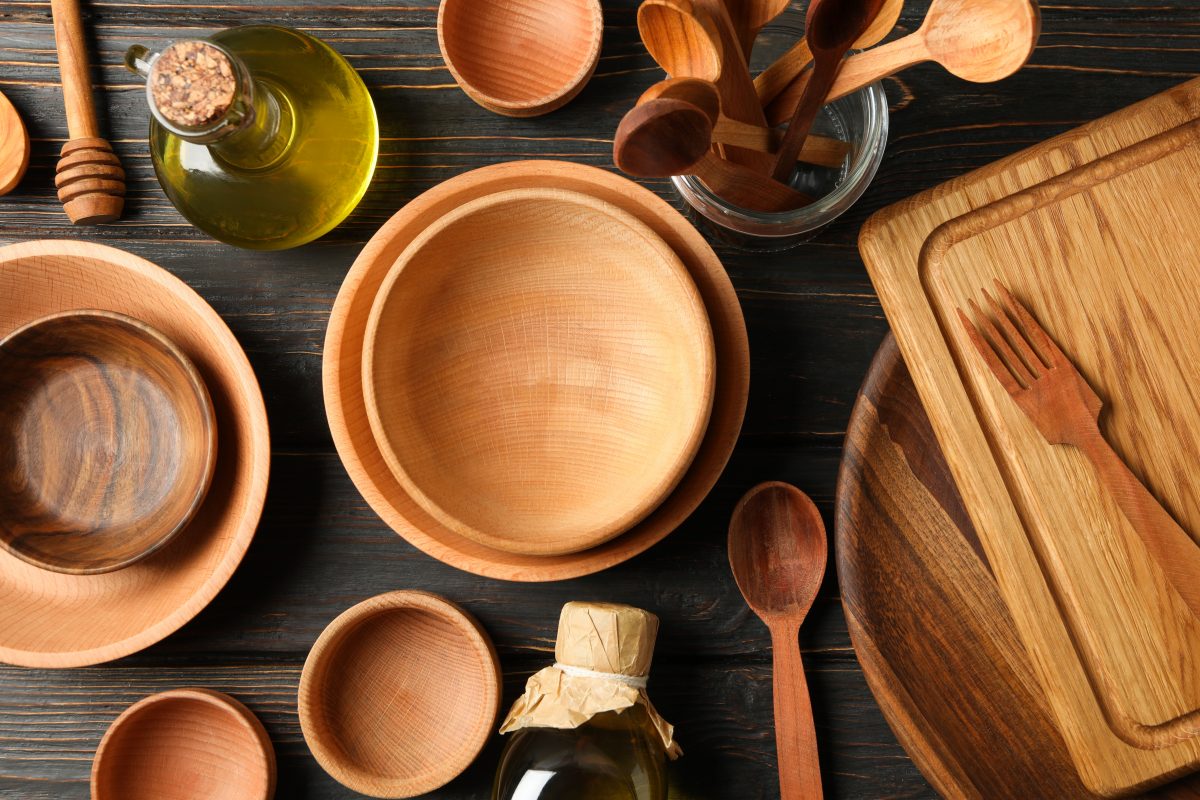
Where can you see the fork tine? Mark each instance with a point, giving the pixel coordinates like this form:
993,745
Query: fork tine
1046,349
998,367
1003,349
1024,349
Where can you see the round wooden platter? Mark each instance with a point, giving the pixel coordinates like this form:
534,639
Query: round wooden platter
343,364
933,635
50,619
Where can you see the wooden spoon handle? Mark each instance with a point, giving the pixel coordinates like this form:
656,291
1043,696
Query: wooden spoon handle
823,151
744,187
795,733
775,78
1175,552
73,67
859,71
824,73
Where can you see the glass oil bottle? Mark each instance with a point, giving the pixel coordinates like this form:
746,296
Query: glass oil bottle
585,728
262,136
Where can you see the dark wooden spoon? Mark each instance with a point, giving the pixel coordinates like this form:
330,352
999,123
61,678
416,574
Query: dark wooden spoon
831,29
777,550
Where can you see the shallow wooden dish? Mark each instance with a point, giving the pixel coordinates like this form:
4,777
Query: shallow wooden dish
185,744
97,394
399,694
521,58
538,370
345,406
54,620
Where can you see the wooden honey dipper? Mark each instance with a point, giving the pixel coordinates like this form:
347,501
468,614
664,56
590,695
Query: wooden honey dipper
90,181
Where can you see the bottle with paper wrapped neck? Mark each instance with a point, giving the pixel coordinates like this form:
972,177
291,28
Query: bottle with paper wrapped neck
585,728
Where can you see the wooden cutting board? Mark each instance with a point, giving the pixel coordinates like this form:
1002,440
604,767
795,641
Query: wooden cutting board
1094,230
935,640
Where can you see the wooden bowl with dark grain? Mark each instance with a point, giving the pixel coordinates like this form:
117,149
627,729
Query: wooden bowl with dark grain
521,58
108,441
399,694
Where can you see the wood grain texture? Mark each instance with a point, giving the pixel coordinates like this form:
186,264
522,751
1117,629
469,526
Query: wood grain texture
814,324
523,58
1115,661
965,702
101,395
532,400
182,744
400,694
14,146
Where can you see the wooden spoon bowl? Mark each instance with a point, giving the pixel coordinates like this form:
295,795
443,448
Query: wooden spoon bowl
399,694
185,744
108,441
539,370
521,58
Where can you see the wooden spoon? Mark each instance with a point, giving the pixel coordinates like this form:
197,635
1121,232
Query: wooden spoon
14,146
685,44
981,41
775,78
664,137
777,551
820,150
832,28
751,16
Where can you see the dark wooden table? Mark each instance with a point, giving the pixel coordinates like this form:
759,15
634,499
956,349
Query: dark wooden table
814,324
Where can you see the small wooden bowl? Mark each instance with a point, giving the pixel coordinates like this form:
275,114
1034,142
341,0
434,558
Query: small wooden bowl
539,370
399,694
108,441
185,744
521,58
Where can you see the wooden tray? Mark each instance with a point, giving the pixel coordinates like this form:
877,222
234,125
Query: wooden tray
345,405
1103,261
55,620
934,638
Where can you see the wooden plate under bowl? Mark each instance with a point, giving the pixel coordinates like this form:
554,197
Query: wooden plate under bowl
521,58
49,619
107,441
345,404
399,694
538,370
185,744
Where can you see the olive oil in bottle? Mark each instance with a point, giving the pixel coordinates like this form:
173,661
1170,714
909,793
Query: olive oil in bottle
585,728
262,136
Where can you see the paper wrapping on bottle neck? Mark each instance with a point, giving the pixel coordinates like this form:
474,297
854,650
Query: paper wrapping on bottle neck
604,653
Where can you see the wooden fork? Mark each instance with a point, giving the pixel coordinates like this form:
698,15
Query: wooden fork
1064,408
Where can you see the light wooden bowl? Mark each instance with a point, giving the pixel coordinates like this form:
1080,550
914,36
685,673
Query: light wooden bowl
399,694
538,370
101,395
185,744
346,406
521,58
49,619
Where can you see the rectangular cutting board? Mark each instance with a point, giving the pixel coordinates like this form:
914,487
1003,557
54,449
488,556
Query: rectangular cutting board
1098,232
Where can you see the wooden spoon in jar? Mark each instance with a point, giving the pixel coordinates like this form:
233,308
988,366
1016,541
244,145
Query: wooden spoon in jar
664,137
823,151
831,29
981,41
751,16
777,551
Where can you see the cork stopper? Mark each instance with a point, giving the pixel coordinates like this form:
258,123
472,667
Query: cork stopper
606,637
193,84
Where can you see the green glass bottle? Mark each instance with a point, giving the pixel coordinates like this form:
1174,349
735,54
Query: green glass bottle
262,136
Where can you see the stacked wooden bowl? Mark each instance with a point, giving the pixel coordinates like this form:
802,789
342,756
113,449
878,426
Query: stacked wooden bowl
536,370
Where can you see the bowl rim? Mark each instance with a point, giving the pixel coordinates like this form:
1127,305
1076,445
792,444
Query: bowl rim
143,332
662,483
245,718
309,698
533,106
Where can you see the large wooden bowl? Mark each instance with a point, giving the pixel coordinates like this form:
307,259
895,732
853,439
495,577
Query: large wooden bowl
521,58
538,370
104,397
49,619
346,407
185,744
399,694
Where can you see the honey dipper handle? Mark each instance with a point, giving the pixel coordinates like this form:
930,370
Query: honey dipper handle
73,67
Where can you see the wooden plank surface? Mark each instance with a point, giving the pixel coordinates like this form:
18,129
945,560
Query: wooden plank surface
814,324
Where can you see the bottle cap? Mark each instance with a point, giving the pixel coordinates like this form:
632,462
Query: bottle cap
606,637
193,83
